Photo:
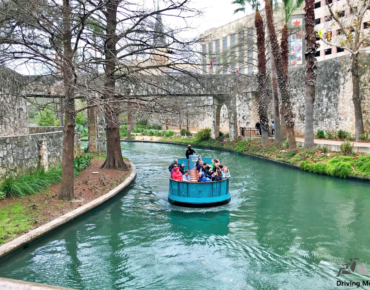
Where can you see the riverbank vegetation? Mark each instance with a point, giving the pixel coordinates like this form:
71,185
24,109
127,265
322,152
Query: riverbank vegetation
341,164
31,200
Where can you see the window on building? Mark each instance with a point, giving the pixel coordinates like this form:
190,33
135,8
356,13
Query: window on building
317,21
210,56
224,43
339,49
204,58
250,50
241,52
340,13
328,51
218,49
232,52
317,54
367,25
317,4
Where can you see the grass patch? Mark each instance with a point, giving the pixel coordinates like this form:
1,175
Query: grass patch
320,161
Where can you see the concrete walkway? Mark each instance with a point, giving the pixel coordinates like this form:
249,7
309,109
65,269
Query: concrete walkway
334,145
9,284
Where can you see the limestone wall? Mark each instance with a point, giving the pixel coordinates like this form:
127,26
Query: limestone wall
13,115
44,129
21,154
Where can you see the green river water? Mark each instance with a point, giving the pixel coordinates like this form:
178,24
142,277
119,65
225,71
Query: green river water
283,229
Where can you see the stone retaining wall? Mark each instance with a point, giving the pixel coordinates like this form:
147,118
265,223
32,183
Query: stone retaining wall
22,154
44,129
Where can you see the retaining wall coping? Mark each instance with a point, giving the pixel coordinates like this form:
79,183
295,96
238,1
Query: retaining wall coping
25,135
10,284
44,229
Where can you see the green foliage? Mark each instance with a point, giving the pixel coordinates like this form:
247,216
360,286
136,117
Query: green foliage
183,132
323,149
204,134
2,195
80,119
30,184
124,134
286,144
188,133
142,121
139,129
57,122
290,154
82,130
80,163
346,148
364,137
169,133
227,135
343,134
155,127
330,134
242,145
46,118
299,144
320,134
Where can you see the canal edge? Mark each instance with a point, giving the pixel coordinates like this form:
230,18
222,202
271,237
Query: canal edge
24,285
350,177
37,233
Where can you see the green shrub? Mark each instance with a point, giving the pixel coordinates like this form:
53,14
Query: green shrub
46,118
343,134
286,144
57,122
157,133
156,127
330,134
290,154
242,145
299,144
363,137
2,195
142,121
203,135
124,134
320,134
188,133
30,184
80,163
346,148
323,149
169,133
227,135
183,132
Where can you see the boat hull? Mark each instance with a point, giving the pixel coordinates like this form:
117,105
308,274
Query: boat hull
199,194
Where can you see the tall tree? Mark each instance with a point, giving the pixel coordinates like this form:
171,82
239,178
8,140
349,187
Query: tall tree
352,38
311,47
282,81
263,95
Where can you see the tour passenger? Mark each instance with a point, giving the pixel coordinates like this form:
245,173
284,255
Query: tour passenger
200,166
199,159
189,152
206,170
226,172
174,164
217,176
186,176
202,178
177,175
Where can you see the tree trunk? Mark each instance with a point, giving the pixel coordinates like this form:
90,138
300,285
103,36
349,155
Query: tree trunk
310,74
285,61
129,124
263,96
93,130
66,191
359,124
282,81
114,154
276,104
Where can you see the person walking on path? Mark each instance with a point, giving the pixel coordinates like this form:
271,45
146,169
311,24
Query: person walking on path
258,128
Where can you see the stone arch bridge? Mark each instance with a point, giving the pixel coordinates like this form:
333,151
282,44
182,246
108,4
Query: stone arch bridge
223,89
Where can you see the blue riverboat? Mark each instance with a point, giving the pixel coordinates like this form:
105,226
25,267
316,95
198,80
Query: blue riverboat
198,194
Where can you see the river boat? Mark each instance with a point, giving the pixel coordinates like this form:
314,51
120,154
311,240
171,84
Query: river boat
198,194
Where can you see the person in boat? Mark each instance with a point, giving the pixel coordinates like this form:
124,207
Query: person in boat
174,164
177,175
206,170
199,159
186,176
199,167
189,152
202,178
217,176
226,172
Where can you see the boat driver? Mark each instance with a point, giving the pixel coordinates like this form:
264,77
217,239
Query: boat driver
189,152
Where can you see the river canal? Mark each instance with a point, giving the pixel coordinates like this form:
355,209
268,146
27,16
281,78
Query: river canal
283,229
